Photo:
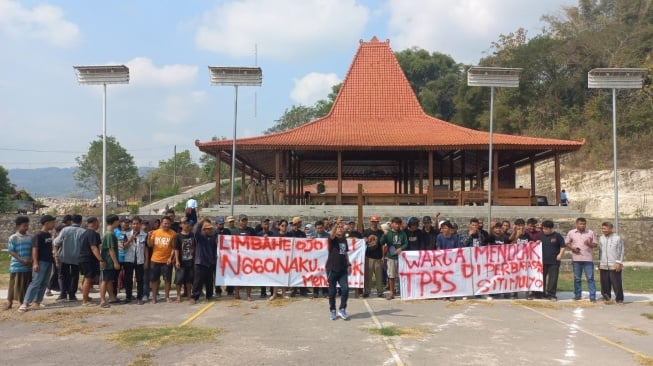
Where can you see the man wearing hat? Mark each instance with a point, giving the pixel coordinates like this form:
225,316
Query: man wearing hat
231,223
414,234
297,230
205,259
429,232
42,261
373,257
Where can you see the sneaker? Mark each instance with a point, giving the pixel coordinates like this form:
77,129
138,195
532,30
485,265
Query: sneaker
23,308
104,305
577,298
61,298
72,298
48,293
333,315
343,314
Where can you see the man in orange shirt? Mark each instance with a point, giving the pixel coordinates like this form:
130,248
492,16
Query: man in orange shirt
161,241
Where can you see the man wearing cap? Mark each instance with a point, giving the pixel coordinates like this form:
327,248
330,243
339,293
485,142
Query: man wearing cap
393,242
351,232
373,257
297,228
430,232
42,261
231,223
243,230
205,259
414,235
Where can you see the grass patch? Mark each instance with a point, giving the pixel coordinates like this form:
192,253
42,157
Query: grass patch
635,330
407,332
636,280
63,318
648,315
537,304
5,258
644,360
157,337
143,359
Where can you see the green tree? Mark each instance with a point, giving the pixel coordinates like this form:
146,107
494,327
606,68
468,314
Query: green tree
122,174
6,190
298,115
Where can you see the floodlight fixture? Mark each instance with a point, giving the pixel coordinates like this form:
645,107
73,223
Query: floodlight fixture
103,75
615,78
501,77
235,76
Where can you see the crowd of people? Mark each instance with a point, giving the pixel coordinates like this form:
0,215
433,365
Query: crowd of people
135,254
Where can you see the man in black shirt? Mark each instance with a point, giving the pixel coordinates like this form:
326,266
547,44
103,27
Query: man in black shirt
414,234
373,257
243,230
553,248
42,261
89,257
338,269
498,236
429,232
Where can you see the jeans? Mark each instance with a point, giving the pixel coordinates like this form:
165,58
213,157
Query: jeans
68,280
130,268
338,278
588,268
39,283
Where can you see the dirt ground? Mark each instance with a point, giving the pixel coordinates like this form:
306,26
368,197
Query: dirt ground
298,331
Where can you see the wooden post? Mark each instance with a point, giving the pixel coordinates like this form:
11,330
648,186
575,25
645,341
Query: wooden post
462,171
557,178
218,160
495,173
277,168
360,208
243,187
339,193
429,192
532,176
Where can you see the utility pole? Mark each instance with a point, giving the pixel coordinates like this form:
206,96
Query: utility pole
174,166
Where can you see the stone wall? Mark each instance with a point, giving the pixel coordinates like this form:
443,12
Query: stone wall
635,232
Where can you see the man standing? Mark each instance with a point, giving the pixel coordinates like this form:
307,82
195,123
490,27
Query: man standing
473,237
553,248
414,235
20,267
191,210
89,257
429,232
135,260
393,242
611,256
109,265
185,258
67,244
161,243
243,230
221,230
373,257
205,259
42,260
338,269
581,242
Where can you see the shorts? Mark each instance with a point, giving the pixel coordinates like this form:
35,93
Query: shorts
158,269
184,275
90,270
108,275
393,267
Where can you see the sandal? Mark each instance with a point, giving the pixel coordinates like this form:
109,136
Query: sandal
105,305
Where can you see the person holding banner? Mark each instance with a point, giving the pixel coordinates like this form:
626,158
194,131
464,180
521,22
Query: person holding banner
206,247
447,239
243,230
394,241
553,248
161,242
373,258
282,233
338,269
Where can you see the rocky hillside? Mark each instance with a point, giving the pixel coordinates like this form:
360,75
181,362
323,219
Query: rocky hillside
593,192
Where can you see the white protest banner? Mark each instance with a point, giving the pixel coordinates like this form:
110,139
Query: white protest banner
471,271
309,250
254,261
428,274
293,262
507,268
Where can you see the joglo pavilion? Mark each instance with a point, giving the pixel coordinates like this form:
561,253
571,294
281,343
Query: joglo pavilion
377,131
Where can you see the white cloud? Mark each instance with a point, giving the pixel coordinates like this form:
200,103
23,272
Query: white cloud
282,29
464,28
143,71
43,22
179,109
313,87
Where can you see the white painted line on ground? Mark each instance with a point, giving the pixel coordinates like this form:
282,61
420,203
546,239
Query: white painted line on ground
388,344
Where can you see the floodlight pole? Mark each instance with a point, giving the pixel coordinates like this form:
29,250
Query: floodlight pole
104,158
615,78
490,157
233,150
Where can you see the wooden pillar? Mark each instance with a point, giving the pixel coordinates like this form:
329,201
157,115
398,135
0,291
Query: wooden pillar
451,172
532,176
411,176
420,173
359,200
300,181
479,173
556,160
429,192
284,177
339,193
441,171
218,160
277,171
462,171
243,186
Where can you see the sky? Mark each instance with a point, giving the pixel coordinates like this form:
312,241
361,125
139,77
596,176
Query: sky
303,47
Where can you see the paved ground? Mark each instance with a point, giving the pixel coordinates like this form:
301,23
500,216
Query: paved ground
299,332
158,206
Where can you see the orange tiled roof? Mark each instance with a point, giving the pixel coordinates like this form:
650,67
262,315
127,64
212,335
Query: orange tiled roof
376,109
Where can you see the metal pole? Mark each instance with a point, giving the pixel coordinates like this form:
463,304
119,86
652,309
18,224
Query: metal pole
104,159
174,166
150,205
489,174
233,149
614,157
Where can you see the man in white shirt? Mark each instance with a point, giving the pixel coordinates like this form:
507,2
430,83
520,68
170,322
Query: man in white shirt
191,210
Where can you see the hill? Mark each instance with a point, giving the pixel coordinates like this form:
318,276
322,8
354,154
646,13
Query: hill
51,182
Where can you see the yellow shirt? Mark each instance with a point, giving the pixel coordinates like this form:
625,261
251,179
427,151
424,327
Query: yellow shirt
163,243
